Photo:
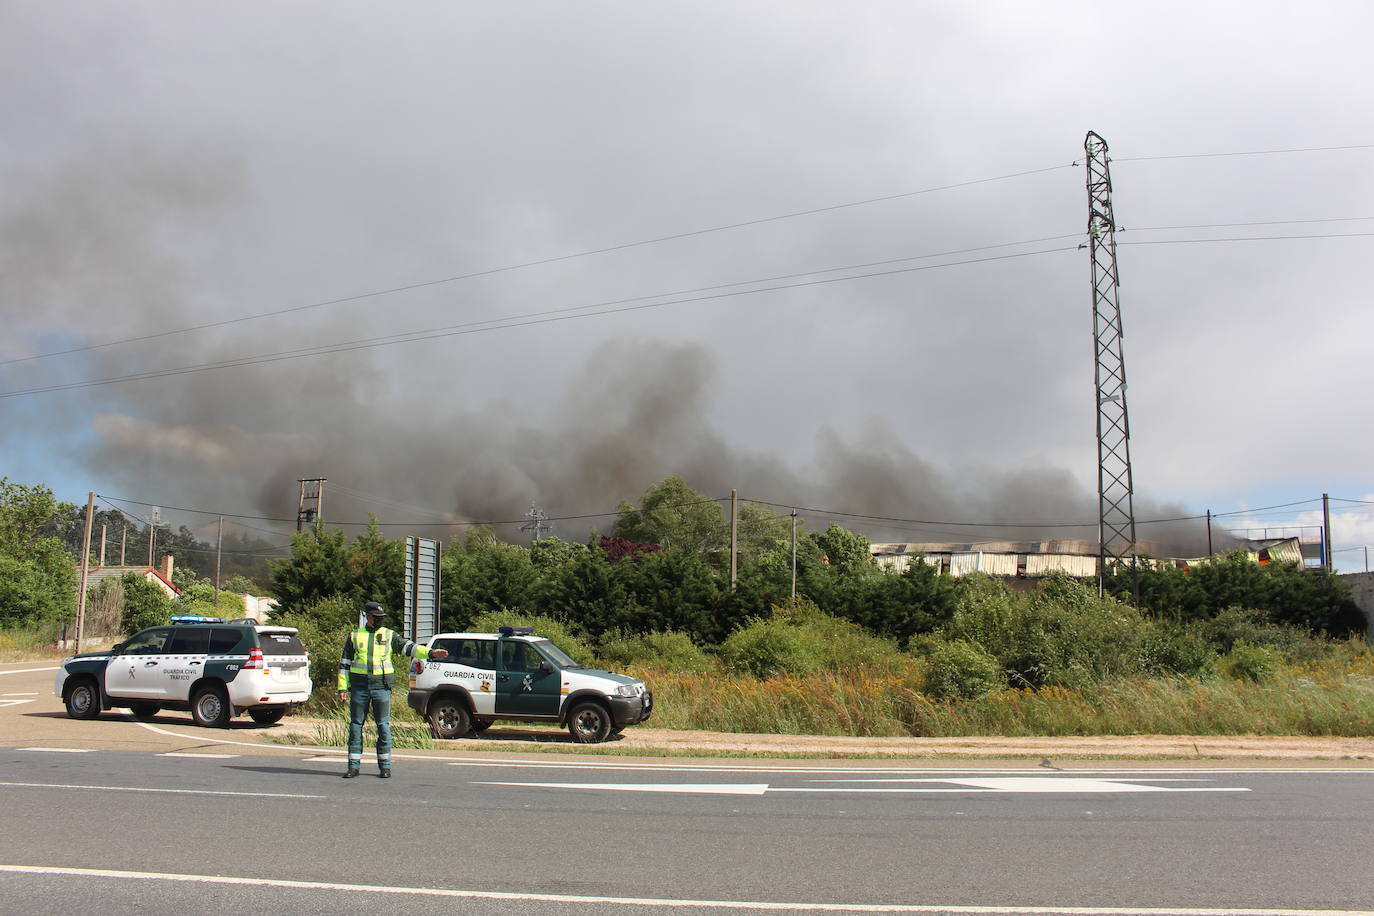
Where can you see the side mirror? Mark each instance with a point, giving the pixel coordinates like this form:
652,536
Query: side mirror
117,648
545,667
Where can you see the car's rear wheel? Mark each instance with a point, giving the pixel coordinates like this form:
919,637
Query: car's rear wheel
589,723
83,699
210,707
144,710
448,718
266,716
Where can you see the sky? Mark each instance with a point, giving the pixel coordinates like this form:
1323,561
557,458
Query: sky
465,259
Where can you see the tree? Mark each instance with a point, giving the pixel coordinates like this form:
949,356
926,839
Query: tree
676,517
484,574
318,568
145,604
1313,599
37,575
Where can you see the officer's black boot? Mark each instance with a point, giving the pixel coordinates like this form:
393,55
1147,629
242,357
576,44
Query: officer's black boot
385,774
351,774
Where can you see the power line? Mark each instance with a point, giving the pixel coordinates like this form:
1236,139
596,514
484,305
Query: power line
1261,152
536,263
411,524
536,318
1253,238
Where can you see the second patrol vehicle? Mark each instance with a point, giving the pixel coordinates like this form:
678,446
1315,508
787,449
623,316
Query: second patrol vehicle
516,675
215,669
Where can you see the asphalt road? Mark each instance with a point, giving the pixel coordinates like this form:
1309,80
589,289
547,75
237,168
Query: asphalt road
94,820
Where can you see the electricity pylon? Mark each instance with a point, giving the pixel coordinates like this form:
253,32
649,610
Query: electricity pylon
1115,487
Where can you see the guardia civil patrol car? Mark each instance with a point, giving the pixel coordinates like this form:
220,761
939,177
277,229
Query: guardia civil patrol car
213,667
518,676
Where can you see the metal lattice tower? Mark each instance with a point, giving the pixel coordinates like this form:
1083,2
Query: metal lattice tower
1115,488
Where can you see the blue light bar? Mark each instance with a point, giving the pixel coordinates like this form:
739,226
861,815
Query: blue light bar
515,631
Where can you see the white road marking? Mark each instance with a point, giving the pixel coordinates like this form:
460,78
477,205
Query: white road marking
30,670
61,750
745,905
46,785
763,768
1040,784
206,756
5,703
1053,784
685,788
18,694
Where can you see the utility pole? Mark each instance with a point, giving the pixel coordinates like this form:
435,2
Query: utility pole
1326,532
219,546
123,539
314,493
155,521
1209,532
734,538
85,568
102,544
1115,486
536,524
794,554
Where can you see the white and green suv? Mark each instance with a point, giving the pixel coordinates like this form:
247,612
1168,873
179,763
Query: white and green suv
216,669
518,676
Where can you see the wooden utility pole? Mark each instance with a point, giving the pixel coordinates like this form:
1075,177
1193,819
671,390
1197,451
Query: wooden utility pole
85,568
123,538
734,540
1326,532
102,544
794,554
1209,532
219,545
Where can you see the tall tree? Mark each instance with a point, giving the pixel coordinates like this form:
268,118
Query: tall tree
673,515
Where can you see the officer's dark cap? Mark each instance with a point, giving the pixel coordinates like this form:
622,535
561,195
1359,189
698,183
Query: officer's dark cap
374,609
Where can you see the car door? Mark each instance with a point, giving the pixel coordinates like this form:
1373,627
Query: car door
183,661
135,672
471,664
522,688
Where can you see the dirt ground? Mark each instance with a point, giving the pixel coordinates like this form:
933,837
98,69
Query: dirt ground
650,741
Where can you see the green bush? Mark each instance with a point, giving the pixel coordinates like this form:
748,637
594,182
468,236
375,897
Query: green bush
671,650
145,604
1178,650
1062,635
798,638
553,630
1251,663
959,669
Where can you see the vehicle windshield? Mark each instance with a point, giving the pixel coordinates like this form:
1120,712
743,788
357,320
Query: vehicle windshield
555,654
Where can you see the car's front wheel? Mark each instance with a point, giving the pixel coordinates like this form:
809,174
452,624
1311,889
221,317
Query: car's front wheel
589,723
266,716
449,718
210,707
83,699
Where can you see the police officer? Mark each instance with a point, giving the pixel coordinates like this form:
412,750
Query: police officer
365,678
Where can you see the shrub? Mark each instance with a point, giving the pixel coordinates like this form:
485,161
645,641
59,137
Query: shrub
557,632
145,604
1063,635
1251,663
1179,650
670,650
956,668
799,638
